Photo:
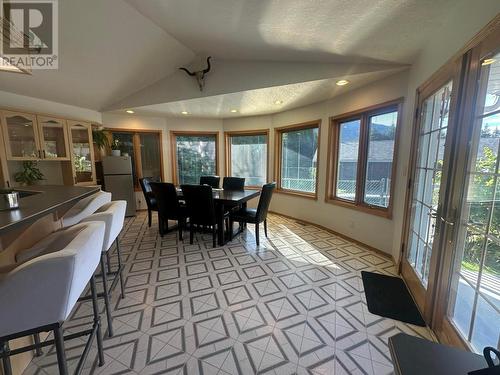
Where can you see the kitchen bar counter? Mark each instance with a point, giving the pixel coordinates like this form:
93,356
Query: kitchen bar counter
38,201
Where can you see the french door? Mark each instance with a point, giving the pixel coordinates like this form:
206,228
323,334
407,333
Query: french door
451,251
431,162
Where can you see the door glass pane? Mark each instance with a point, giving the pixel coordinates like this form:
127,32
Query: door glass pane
21,133
150,155
195,157
81,153
249,158
381,139
126,142
299,159
348,160
54,143
475,309
427,185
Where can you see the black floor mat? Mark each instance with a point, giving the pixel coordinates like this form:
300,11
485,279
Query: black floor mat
388,296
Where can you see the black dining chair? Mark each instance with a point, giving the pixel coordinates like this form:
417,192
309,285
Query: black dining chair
252,215
212,181
233,183
200,209
148,195
169,207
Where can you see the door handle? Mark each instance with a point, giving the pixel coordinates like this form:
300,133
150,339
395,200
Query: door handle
447,222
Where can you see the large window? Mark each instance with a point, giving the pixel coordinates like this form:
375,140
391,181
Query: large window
144,148
362,149
194,154
296,157
246,156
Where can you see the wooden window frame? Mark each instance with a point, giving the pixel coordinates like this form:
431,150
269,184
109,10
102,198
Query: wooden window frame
137,146
227,149
173,149
363,115
278,135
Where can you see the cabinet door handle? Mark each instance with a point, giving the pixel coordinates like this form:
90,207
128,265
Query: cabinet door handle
44,156
39,154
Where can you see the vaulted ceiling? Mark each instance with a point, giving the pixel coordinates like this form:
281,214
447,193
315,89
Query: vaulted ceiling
121,54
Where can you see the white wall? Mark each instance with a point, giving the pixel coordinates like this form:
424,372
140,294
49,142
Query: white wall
347,221
31,104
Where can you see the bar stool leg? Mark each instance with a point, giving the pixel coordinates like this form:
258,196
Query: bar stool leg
7,368
106,295
108,262
97,320
120,267
61,355
36,338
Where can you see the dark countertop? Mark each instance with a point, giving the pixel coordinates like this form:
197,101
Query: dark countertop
416,356
47,199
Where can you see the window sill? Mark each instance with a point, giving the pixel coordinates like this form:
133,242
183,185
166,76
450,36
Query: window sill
313,196
385,213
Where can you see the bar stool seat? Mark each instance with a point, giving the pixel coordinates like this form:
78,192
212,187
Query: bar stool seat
113,216
85,207
44,288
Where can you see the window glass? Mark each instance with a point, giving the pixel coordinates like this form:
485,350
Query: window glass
347,166
249,158
195,157
299,159
381,140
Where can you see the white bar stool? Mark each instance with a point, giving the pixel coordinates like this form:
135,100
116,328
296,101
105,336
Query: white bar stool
85,207
113,215
44,289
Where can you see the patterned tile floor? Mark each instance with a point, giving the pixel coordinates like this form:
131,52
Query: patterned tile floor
294,305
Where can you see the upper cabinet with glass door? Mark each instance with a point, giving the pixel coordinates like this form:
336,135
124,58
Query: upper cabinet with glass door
53,138
80,134
20,136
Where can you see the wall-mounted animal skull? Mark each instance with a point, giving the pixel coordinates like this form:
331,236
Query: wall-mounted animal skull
200,74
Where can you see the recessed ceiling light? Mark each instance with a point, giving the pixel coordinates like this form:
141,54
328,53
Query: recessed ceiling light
129,111
488,62
278,102
185,112
342,82
234,110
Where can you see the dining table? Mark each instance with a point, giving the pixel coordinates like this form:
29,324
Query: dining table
226,199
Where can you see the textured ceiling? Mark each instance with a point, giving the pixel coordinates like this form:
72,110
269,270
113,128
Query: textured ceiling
300,30
261,101
114,50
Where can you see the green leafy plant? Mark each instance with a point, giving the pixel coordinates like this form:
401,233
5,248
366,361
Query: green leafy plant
30,173
101,139
115,145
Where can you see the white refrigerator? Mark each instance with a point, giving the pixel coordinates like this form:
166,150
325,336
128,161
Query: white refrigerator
118,180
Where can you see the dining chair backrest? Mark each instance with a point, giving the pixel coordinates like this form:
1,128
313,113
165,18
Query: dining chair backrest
166,198
200,204
145,183
233,183
212,181
264,200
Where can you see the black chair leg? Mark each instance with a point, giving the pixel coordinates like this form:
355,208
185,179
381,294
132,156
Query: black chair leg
120,267
106,296
214,236
180,226
191,232
7,368
160,225
231,234
36,339
265,227
149,217
97,320
61,355
257,234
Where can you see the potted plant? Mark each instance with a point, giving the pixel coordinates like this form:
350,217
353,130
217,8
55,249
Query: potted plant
29,175
115,148
100,137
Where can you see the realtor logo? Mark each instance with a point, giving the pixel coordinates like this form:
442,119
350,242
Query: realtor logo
29,34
